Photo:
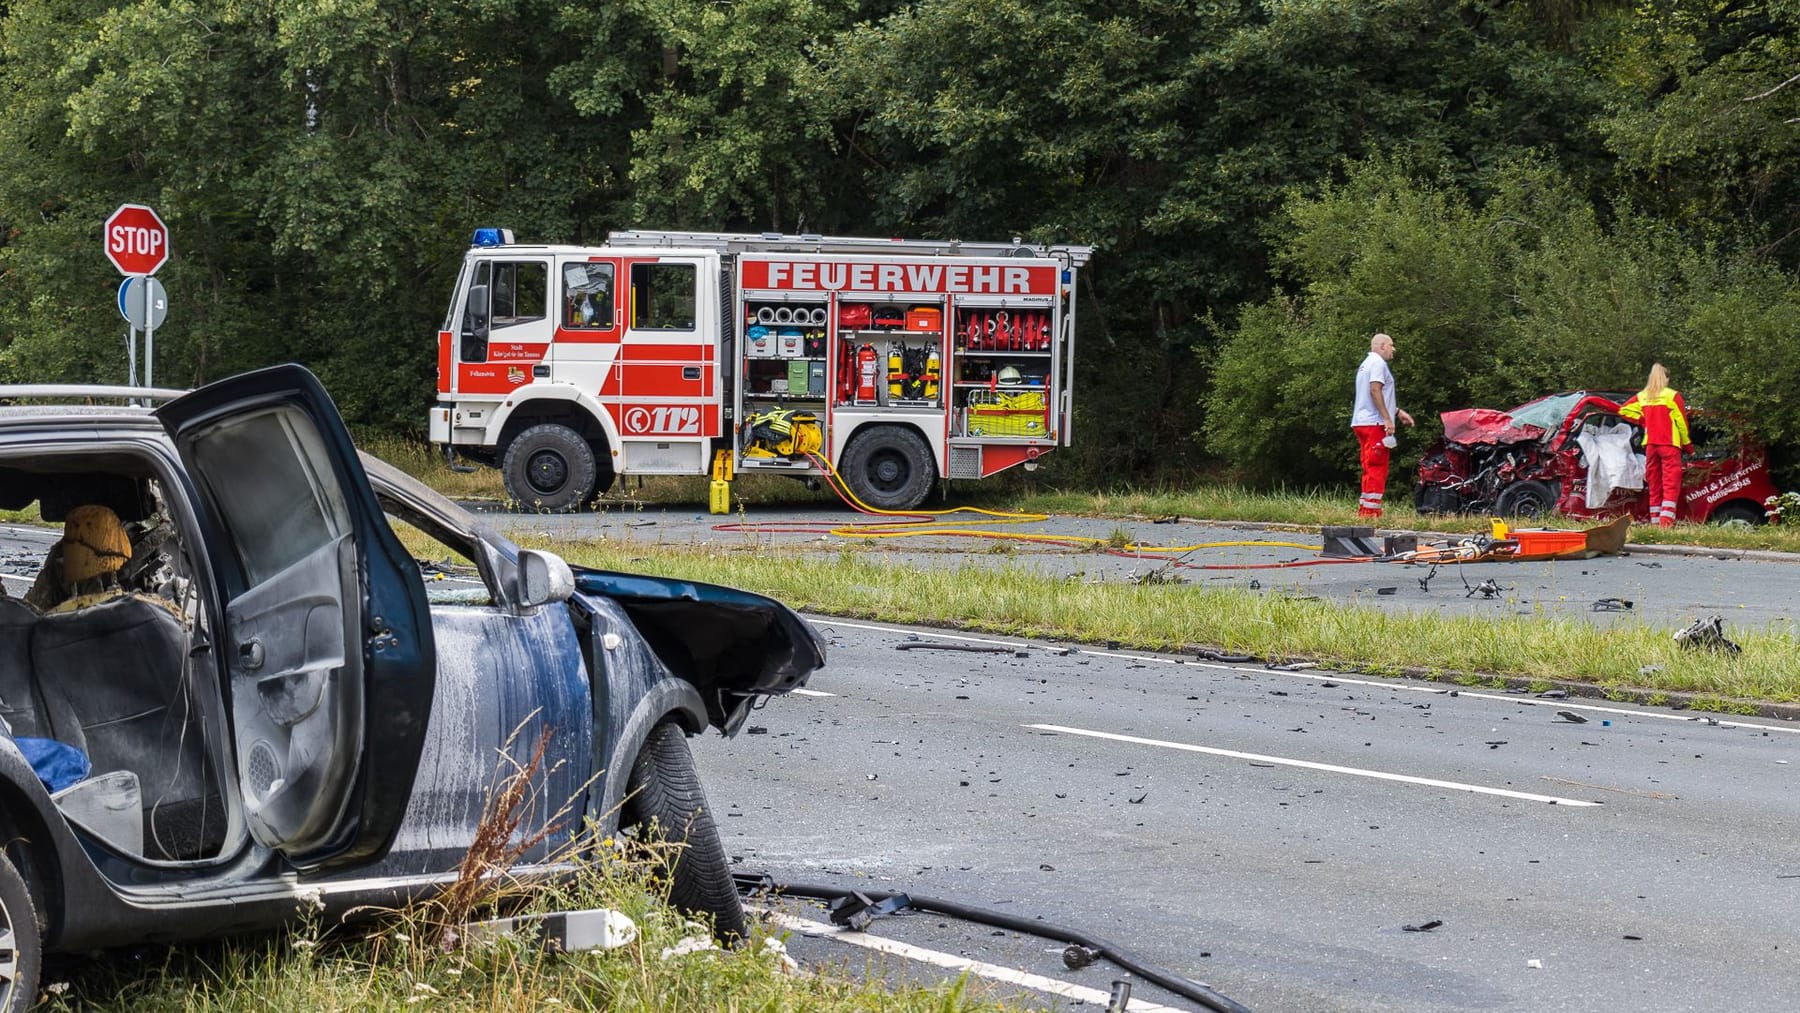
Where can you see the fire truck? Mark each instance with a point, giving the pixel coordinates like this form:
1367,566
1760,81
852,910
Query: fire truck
893,363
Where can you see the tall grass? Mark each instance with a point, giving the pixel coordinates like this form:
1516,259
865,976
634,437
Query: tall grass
1003,598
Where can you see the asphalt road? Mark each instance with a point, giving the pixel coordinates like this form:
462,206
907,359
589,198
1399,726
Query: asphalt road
1273,834
1667,588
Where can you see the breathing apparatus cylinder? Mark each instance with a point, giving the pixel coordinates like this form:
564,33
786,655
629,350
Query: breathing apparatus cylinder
931,375
896,372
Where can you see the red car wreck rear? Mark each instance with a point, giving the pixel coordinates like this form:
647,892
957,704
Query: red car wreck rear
1530,461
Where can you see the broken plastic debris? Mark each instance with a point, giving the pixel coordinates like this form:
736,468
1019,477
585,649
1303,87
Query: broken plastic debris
1424,927
1707,634
1534,962
1571,717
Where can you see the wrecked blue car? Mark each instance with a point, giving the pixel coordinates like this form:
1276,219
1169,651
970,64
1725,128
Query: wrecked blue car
231,683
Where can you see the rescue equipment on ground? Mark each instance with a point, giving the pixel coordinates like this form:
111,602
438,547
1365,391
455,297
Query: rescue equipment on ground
719,491
782,432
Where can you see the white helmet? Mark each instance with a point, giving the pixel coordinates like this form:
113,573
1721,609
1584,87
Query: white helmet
1009,374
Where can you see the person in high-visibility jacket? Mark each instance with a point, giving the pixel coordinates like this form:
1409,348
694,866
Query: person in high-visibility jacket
1664,416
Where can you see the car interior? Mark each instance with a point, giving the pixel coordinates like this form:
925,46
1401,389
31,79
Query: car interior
106,653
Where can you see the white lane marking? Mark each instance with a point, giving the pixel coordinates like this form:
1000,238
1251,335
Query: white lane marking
1010,975
811,692
1572,704
1382,775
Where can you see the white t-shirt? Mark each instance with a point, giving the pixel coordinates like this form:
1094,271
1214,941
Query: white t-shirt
1374,369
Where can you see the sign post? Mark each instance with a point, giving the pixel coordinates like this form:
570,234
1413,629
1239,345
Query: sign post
137,242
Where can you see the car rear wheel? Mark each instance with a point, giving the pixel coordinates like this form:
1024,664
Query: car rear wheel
21,941
666,803
1737,513
550,467
1529,498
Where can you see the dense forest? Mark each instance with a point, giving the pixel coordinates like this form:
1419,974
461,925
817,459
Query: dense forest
1530,196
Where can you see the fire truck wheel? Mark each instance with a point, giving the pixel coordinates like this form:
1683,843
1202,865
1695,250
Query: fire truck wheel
549,467
1529,498
889,468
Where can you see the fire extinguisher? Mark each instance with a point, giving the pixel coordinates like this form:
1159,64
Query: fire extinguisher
865,374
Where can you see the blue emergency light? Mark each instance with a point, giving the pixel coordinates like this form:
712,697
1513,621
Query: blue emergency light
492,237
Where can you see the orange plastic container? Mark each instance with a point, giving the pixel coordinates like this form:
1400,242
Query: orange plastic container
924,318
1542,542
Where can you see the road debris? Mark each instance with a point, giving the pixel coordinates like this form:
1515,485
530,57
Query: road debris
1611,605
1424,927
1489,588
1571,717
1076,956
856,910
1707,634
938,645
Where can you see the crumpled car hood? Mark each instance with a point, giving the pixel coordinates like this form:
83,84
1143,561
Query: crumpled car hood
1487,425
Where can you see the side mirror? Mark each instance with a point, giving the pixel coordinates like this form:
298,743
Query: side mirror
475,314
543,578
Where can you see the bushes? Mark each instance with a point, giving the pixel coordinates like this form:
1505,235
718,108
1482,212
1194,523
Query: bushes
1532,290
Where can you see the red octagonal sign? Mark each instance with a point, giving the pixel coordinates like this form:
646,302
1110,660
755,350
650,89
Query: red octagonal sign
136,240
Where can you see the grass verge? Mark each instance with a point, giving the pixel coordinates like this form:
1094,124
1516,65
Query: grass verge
1006,599
1302,508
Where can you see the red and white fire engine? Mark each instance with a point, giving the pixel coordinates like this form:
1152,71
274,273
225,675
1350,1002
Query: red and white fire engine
904,361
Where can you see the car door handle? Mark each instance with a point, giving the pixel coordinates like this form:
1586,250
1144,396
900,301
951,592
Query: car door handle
690,372
250,654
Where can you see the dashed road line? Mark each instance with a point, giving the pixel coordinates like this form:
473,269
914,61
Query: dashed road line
1284,761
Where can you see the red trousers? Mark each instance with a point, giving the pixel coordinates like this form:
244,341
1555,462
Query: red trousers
1662,482
1374,469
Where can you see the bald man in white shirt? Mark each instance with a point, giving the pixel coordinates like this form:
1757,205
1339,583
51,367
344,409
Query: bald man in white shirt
1372,419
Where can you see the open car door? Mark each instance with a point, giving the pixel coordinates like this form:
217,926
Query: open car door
326,639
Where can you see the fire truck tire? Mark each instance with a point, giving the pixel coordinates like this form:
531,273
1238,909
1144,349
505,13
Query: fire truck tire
550,467
889,468
1528,498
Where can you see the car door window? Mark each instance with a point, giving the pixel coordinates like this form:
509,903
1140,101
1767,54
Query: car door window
279,508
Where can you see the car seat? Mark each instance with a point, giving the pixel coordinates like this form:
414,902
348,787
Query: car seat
110,668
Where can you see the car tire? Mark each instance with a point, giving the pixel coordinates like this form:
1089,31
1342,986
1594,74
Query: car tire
665,802
1529,498
21,941
550,467
1737,512
889,468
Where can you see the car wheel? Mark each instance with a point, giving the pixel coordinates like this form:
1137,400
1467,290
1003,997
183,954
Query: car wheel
1737,513
550,467
889,468
665,802
1529,498
21,941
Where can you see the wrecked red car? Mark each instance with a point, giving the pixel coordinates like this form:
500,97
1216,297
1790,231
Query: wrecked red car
1572,453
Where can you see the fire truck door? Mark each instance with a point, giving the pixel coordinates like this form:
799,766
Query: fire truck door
590,326
668,365
505,327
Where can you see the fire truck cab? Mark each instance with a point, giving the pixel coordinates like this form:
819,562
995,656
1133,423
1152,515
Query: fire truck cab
902,362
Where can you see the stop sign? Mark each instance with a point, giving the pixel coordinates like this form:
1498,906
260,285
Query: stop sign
135,239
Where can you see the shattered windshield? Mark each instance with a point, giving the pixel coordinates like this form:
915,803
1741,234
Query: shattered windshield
1546,413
